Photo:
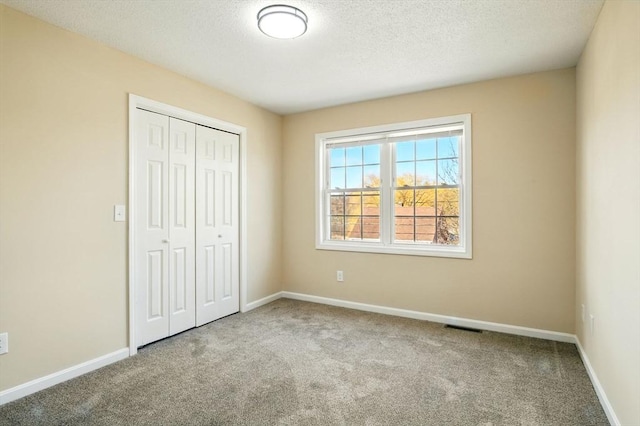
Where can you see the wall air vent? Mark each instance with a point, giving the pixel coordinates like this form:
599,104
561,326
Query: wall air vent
459,327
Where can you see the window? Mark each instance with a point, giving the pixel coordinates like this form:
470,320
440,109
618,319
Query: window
402,189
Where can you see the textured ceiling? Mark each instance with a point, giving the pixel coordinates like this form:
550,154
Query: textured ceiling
354,49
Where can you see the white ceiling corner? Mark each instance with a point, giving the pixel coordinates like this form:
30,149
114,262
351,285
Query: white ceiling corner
353,50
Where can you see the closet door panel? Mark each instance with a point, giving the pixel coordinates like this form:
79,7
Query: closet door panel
227,271
228,230
209,296
182,226
152,227
217,282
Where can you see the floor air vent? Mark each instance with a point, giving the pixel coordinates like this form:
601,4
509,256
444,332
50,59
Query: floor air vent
459,327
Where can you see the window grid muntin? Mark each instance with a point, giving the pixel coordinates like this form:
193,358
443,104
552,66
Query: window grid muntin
363,192
392,144
348,191
345,166
436,216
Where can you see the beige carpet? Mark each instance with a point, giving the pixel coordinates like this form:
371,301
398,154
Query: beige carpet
296,363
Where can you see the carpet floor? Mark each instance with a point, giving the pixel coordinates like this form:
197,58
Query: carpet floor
297,363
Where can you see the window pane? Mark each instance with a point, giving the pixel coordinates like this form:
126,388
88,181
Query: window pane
447,231
354,177
372,154
425,229
353,228
448,147
371,227
405,174
405,200
425,202
337,205
448,172
354,203
337,227
426,173
336,157
448,202
371,203
426,149
404,151
354,156
372,176
337,178
404,228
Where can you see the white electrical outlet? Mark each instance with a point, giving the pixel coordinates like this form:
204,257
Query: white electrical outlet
583,310
340,276
4,343
593,323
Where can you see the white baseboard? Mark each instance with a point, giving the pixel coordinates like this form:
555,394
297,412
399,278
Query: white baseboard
263,301
61,376
77,370
86,367
602,396
483,325
444,319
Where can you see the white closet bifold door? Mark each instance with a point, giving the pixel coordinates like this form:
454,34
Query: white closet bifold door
152,227
186,242
182,226
217,222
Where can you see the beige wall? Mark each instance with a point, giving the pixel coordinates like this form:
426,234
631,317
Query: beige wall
608,204
523,267
63,165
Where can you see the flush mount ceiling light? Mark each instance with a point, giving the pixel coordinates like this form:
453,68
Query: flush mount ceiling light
282,21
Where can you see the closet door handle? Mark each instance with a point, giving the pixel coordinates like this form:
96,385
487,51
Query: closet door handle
219,235
165,241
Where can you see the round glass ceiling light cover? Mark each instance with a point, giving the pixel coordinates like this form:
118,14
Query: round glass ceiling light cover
281,21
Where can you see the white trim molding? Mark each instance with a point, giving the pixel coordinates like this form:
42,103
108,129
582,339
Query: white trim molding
61,376
161,108
386,137
443,319
94,364
260,302
602,396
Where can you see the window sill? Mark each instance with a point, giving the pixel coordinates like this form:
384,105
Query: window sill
398,249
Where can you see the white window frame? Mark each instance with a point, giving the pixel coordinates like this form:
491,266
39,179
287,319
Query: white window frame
386,244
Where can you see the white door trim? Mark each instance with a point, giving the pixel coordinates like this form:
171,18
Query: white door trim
161,108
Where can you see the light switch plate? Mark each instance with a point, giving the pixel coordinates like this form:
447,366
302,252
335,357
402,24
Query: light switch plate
119,213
